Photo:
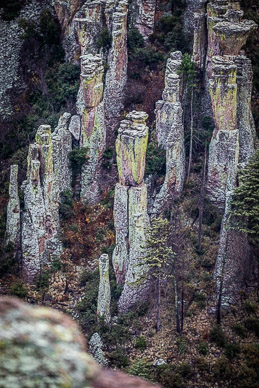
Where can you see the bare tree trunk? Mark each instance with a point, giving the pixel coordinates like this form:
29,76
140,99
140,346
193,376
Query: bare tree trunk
178,328
201,206
158,316
182,310
191,140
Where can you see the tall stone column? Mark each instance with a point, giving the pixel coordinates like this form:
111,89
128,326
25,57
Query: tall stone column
90,107
130,210
12,234
48,174
224,146
116,75
104,294
170,133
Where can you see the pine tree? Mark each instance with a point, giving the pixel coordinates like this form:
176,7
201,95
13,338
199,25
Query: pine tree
159,257
245,205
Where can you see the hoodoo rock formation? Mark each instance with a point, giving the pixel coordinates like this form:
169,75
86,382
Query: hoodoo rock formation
170,133
12,234
104,294
130,209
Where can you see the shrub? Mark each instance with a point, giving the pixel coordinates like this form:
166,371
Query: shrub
41,280
181,344
141,343
118,359
200,299
134,39
231,350
203,348
56,264
250,307
7,260
78,157
185,370
155,160
11,9
252,324
107,158
66,204
140,368
222,369
148,56
104,39
19,289
217,335
240,330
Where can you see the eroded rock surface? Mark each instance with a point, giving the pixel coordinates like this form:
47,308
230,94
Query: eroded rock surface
12,234
104,294
170,133
130,209
41,347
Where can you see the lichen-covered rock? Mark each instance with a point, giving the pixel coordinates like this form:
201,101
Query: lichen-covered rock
170,133
120,255
224,146
145,16
130,210
11,82
199,38
116,75
48,174
136,281
62,145
244,114
41,347
131,146
90,106
12,234
75,127
104,294
95,349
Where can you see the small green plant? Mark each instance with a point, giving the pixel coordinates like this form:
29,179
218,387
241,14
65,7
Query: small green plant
140,368
134,39
252,324
231,350
155,160
19,289
250,307
107,158
141,343
77,157
56,264
181,344
118,359
104,39
240,330
222,369
203,348
41,280
66,204
200,299
217,335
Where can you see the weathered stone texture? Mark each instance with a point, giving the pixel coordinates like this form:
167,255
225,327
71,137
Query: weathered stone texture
170,133
224,146
130,209
10,49
120,255
93,131
116,75
96,349
48,174
131,146
145,16
12,234
104,294
41,347
136,281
